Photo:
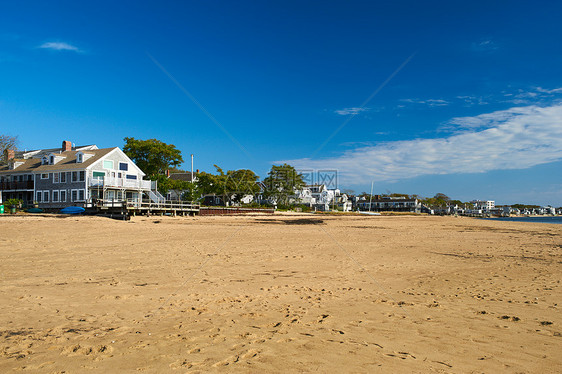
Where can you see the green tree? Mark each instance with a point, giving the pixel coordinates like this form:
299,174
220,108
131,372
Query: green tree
208,183
191,192
239,183
282,181
441,196
152,156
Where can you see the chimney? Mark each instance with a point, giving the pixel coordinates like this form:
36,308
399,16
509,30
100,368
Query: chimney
168,173
66,145
10,154
197,171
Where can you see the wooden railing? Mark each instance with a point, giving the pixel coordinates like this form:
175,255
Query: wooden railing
166,205
25,185
212,211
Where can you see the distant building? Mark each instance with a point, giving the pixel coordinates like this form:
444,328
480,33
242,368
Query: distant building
320,197
483,205
176,195
393,204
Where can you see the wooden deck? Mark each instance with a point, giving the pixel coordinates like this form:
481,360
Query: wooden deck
132,208
128,208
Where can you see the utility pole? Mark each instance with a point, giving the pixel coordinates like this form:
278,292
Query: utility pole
192,168
371,198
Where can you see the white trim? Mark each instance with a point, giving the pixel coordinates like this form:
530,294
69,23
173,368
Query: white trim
60,196
129,161
71,195
41,175
53,196
77,176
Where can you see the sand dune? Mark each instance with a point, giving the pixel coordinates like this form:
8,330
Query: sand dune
279,294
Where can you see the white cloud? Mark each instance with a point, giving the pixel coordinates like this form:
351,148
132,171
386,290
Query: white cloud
517,138
59,46
353,111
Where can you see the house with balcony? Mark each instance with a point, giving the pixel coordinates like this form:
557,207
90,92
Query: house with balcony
390,203
73,176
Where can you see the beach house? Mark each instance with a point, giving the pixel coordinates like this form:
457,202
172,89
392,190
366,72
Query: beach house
390,203
483,205
72,176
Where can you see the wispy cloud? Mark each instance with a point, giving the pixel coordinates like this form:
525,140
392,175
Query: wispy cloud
472,100
536,95
547,91
428,102
486,45
59,46
517,138
352,111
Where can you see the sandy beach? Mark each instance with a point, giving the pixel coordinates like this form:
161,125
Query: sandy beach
283,293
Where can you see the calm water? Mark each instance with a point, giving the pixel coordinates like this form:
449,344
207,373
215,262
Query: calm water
557,219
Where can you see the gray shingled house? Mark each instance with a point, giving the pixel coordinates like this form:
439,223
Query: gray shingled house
72,176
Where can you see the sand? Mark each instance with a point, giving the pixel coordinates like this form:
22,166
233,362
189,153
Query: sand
284,293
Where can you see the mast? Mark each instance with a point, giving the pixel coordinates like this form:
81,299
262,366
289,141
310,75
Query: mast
371,198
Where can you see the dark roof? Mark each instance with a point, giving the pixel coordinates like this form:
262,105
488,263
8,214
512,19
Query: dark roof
182,176
32,165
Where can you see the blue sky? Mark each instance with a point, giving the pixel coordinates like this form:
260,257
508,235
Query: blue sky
460,98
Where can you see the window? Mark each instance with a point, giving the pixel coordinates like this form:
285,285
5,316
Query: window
63,177
82,176
39,196
108,164
123,166
62,196
74,195
45,196
44,176
79,157
119,175
44,160
55,196
56,177
81,195
52,160
130,176
98,175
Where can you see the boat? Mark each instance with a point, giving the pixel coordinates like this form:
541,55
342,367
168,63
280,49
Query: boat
73,210
370,213
35,210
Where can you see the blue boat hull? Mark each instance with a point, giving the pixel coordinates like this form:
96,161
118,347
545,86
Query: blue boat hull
73,210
